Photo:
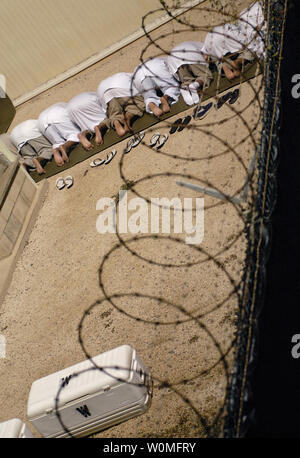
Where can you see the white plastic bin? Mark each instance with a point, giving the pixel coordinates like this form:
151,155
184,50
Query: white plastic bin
83,399
14,428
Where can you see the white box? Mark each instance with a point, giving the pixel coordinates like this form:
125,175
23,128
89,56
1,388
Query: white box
14,428
83,399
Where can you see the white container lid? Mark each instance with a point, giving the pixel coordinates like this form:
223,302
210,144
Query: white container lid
11,428
44,391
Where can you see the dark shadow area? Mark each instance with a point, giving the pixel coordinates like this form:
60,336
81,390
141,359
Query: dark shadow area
276,382
7,112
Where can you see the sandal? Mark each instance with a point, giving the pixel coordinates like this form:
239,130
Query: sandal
60,183
96,162
200,112
128,146
69,181
223,99
137,139
154,139
234,96
184,123
162,141
175,125
110,156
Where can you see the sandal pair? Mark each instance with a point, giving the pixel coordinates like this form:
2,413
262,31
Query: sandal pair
158,140
231,97
96,162
180,124
201,111
67,182
134,141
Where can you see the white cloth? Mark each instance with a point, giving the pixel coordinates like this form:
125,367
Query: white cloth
190,95
86,111
231,38
117,85
153,74
22,133
56,125
188,52
253,26
252,17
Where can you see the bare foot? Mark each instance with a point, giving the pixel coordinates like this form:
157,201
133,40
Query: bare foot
127,128
126,123
129,119
40,170
98,138
57,157
123,120
84,141
119,128
155,109
230,73
63,152
69,143
165,105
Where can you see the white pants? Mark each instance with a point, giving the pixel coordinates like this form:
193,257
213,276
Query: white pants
85,111
60,133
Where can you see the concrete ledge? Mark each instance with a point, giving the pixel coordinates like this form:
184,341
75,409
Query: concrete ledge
6,179
8,264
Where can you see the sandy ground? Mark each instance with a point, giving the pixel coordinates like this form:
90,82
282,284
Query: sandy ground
56,279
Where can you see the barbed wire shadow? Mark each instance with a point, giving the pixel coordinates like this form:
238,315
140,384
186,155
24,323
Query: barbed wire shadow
191,308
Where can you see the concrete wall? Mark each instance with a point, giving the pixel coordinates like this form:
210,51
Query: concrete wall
17,197
20,201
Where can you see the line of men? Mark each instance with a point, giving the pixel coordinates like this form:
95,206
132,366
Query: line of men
152,87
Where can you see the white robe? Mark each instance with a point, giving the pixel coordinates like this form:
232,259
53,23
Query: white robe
117,85
231,38
25,131
56,125
86,111
188,52
153,74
